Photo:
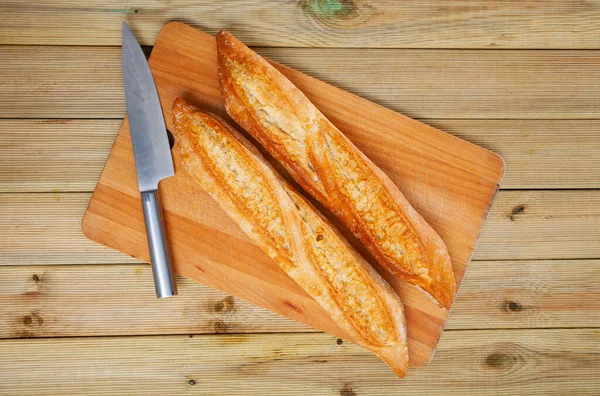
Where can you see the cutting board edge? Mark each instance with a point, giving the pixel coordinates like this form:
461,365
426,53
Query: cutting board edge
468,264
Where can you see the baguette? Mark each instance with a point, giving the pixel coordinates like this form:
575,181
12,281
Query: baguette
331,169
292,232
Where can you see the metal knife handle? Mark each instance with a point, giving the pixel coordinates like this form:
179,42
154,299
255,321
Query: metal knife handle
164,281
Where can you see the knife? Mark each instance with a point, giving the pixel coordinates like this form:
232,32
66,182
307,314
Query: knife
152,153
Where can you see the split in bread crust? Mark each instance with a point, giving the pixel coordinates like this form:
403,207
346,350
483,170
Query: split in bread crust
330,168
292,232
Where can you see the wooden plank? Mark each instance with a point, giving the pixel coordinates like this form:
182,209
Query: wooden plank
84,300
538,153
449,24
68,155
54,155
101,300
85,82
542,225
53,82
460,84
519,294
532,362
46,228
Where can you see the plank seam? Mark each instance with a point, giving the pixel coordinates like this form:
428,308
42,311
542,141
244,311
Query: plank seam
190,335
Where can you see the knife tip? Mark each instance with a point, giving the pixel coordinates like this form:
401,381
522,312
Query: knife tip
126,28
127,35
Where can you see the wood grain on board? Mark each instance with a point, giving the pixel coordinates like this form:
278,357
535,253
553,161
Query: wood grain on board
85,82
314,23
70,154
449,181
116,300
532,362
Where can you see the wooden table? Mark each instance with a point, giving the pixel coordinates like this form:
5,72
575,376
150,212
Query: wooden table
520,78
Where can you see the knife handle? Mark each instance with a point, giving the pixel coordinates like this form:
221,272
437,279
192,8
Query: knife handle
162,271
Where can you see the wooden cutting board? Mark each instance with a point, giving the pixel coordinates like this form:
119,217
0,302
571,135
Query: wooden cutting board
451,182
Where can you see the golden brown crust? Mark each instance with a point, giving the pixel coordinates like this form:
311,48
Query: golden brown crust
325,163
292,232
288,148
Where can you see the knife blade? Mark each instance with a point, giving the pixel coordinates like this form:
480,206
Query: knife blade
152,154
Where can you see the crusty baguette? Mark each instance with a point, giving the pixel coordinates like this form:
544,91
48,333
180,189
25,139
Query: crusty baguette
330,168
291,231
